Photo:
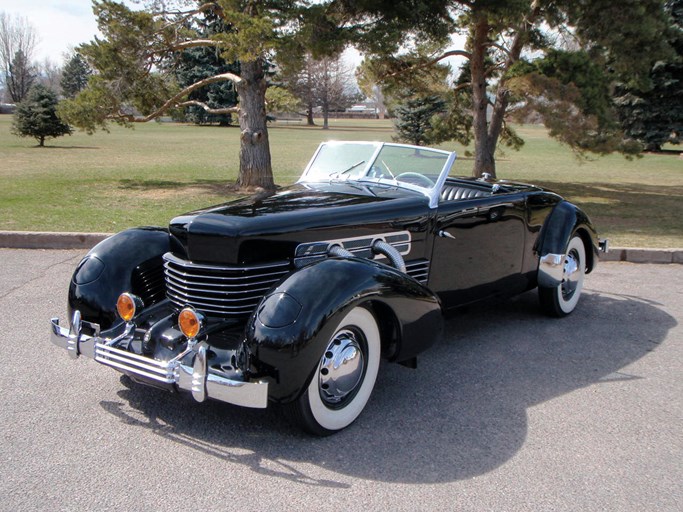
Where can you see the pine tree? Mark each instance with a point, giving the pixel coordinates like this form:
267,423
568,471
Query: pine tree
414,119
36,116
75,76
196,64
654,116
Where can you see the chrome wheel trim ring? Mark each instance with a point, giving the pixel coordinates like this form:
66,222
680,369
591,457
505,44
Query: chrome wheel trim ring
571,275
341,368
569,291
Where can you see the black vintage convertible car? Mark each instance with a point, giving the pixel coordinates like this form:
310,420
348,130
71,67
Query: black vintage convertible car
294,297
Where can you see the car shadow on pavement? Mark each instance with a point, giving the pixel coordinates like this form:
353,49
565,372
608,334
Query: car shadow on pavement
462,413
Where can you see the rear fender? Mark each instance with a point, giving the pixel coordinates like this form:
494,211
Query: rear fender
292,326
127,261
564,221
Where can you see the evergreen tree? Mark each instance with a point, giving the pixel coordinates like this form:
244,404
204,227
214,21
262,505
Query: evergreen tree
415,119
654,116
75,76
196,64
36,116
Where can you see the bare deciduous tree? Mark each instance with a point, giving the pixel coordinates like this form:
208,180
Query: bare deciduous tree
327,83
17,37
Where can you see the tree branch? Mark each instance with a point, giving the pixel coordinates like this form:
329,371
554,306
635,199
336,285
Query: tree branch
227,110
462,86
195,43
174,101
451,53
187,14
499,47
513,55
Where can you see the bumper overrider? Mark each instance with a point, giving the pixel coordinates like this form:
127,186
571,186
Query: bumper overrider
174,373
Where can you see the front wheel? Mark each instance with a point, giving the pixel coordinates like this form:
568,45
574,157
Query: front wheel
561,300
344,377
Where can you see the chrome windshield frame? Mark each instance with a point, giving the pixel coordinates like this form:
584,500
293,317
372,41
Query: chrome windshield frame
432,193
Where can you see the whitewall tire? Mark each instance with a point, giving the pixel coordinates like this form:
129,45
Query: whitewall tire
344,377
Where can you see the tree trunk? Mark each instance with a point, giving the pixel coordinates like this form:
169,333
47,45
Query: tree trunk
484,161
487,131
309,115
255,166
326,115
41,141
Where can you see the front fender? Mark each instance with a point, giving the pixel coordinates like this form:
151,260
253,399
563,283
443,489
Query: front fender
110,268
292,326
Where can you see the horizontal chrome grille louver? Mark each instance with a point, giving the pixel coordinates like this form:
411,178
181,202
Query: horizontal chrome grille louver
220,290
418,270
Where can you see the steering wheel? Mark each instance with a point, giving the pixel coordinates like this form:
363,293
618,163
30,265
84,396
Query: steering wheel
414,177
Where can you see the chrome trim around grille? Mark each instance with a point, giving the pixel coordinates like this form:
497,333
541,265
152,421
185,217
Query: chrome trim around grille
221,290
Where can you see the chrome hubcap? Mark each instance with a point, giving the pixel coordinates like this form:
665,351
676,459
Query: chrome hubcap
571,275
341,367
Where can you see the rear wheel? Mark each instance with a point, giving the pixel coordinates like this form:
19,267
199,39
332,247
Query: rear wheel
561,300
344,377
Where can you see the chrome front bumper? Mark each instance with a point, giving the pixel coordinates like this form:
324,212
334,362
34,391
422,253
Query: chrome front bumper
196,378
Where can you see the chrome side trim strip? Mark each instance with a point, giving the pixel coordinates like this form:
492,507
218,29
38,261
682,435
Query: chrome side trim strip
359,246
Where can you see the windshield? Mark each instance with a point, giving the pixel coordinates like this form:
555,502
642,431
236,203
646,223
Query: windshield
342,160
395,164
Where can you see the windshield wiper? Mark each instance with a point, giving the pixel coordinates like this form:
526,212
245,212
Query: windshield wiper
341,173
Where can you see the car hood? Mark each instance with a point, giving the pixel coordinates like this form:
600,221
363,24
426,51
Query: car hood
268,227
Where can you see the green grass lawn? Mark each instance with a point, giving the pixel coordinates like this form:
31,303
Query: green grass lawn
110,181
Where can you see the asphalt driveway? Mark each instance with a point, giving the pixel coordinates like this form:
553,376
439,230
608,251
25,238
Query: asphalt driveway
508,411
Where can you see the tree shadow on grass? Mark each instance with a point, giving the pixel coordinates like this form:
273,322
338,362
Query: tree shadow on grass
216,187
47,146
625,208
462,413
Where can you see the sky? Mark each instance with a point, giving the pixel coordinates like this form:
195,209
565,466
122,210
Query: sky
59,24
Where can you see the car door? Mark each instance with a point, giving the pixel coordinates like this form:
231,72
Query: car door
478,248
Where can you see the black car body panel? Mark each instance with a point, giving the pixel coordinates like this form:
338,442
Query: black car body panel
262,229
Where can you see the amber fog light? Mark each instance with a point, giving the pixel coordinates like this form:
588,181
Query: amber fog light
190,322
127,305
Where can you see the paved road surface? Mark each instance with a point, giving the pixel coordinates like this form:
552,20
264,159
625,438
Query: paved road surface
509,411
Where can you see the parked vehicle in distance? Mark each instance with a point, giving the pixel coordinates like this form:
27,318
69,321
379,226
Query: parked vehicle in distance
293,297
